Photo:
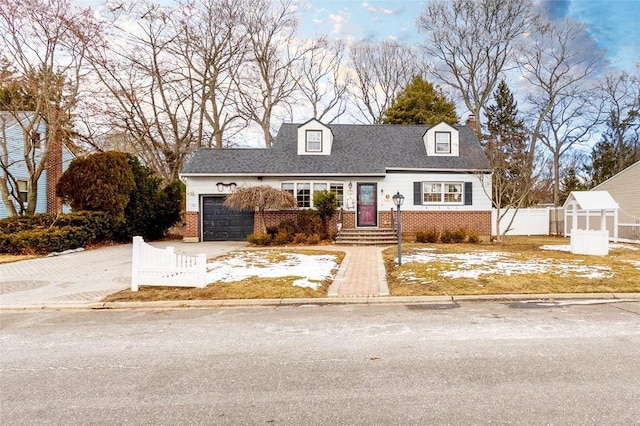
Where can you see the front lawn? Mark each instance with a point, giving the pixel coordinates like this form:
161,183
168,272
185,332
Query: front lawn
253,274
525,265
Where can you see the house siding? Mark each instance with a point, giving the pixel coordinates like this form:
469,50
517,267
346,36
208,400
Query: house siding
15,145
624,188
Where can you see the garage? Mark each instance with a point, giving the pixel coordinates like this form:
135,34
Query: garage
220,223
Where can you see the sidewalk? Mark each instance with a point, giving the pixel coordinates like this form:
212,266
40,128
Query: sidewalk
82,279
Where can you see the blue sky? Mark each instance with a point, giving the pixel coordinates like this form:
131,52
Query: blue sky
613,25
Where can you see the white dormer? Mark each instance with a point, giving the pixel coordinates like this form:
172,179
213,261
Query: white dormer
442,140
314,138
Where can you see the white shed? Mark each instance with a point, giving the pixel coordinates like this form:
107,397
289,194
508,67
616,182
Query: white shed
589,210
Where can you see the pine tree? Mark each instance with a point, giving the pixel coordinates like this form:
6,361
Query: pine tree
420,103
613,153
506,148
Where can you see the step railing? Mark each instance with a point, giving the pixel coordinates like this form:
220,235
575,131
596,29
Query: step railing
162,267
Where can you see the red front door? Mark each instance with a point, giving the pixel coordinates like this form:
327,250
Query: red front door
367,204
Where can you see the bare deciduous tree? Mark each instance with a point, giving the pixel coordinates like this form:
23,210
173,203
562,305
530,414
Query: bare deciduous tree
621,96
42,44
212,43
267,79
323,82
556,62
472,42
381,71
153,94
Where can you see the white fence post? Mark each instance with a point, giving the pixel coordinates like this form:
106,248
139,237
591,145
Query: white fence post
135,262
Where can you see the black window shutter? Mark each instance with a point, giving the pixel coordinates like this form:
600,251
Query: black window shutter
468,193
417,193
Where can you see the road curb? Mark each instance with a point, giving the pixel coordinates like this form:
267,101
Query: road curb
383,300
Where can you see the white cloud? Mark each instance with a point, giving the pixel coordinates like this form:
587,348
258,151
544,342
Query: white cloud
337,21
376,10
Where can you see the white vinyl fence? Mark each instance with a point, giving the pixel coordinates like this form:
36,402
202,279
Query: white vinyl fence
534,221
162,267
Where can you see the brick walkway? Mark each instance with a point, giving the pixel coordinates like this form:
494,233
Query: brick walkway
361,274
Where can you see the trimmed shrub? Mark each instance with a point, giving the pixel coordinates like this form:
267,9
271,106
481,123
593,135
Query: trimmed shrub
310,222
281,238
289,226
473,237
458,236
428,236
47,233
314,239
446,236
259,240
43,241
299,238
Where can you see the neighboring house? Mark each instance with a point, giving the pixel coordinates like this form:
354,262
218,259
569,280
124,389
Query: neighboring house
441,170
12,143
624,187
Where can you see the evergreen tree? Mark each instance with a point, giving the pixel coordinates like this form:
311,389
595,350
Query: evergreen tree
420,103
613,153
570,182
506,148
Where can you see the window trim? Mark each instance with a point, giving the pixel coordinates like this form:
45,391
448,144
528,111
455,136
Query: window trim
329,186
435,145
307,140
443,193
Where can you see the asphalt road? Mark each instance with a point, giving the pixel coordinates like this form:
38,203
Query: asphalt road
467,364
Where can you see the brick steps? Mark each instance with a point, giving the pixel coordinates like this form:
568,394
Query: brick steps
361,237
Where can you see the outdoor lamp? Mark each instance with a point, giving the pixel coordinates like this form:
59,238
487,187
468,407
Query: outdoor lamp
398,199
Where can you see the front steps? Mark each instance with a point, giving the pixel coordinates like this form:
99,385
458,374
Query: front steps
367,236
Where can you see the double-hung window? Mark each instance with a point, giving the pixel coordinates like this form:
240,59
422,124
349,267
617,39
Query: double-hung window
442,192
23,190
443,142
314,140
337,189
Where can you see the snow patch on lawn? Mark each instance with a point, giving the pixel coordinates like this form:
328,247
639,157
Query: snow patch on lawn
634,263
478,263
313,269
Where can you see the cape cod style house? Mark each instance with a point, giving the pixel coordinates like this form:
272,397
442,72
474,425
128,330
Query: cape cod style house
441,170
13,139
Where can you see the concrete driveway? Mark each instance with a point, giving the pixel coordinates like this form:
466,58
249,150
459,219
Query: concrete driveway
83,277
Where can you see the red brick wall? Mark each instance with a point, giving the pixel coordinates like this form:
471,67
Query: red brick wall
479,221
192,227
54,172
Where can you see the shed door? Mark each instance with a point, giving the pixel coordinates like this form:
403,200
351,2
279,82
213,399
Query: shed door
220,223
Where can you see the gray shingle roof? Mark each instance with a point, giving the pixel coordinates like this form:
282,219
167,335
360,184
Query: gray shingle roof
357,150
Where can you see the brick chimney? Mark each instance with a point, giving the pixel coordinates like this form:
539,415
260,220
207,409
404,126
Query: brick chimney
471,122
54,171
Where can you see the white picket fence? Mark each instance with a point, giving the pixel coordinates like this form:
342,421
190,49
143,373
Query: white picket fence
162,267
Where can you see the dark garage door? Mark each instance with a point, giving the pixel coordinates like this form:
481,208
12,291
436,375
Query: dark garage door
220,223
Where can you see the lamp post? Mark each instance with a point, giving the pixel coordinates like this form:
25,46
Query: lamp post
398,199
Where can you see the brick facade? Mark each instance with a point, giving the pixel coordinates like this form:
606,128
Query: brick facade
412,222
192,225
54,172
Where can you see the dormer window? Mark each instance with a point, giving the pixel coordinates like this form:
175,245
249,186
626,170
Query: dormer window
313,140
443,142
